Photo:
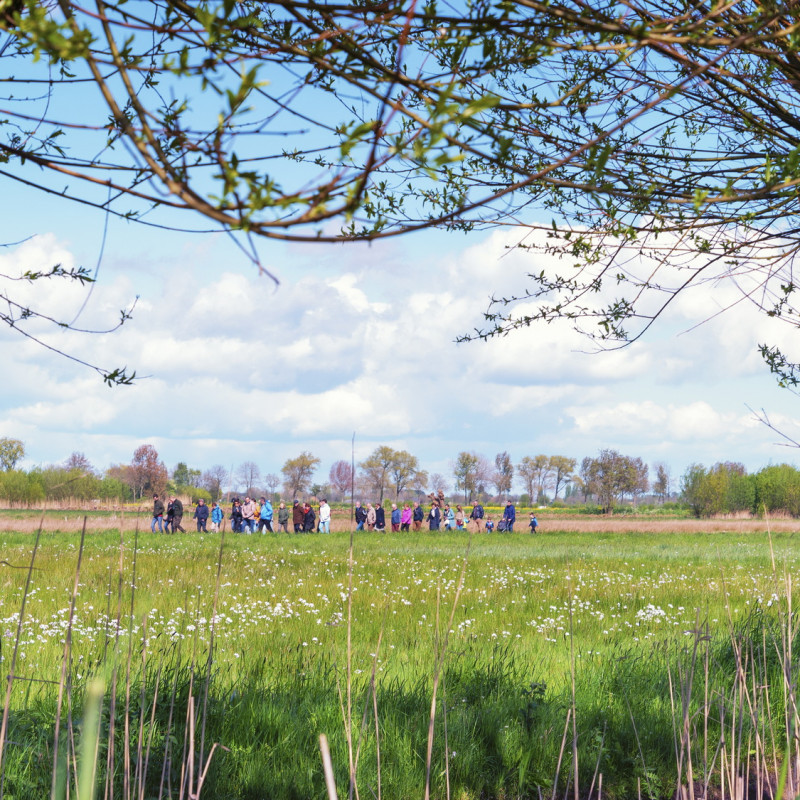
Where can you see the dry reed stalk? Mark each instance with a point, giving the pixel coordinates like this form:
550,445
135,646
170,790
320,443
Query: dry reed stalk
349,670
789,628
188,755
165,764
446,741
210,660
438,665
597,766
109,790
187,765
126,757
377,737
64,679
327,767
576,793
138,776
683,748
151,731
641,753
561,753
12,671
371,693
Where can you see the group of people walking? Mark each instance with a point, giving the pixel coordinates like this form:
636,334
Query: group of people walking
258,515
440,516
249,516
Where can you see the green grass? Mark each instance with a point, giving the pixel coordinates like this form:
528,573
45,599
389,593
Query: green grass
623,609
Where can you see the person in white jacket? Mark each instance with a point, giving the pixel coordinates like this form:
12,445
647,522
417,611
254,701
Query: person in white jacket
324,516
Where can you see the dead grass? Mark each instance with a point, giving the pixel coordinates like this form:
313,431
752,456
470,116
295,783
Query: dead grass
53,522
633,525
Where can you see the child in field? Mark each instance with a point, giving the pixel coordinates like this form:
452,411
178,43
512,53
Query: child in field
216,517
533,524
489,524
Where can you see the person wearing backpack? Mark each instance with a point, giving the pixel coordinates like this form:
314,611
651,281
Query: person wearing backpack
476,515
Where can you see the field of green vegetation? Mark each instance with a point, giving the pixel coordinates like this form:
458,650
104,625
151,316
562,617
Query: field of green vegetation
581,665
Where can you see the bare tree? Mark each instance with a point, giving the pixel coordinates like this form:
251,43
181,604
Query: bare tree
439,484
341,477
484,474
213,479
79,462
272,481
661,485
148,472
249,476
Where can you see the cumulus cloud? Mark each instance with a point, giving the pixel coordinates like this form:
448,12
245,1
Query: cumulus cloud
363,340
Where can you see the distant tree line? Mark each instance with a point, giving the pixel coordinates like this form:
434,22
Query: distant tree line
727,488
607,480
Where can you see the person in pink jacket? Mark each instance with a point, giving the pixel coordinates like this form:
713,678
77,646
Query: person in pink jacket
405,518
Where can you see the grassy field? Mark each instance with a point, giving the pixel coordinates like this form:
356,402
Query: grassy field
575,663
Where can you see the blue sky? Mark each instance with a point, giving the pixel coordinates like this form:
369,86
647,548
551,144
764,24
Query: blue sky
360,338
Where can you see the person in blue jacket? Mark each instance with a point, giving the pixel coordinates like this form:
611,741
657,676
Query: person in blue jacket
510,516
534,523
216,517
265,517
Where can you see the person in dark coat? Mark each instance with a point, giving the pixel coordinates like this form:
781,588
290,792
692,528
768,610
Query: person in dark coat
309,518
380,518
477,515
177,515
237,518
360,516
298,517
201,515
418,515
158,515
434,517
509,516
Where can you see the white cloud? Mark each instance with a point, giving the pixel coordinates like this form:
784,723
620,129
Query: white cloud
363,340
